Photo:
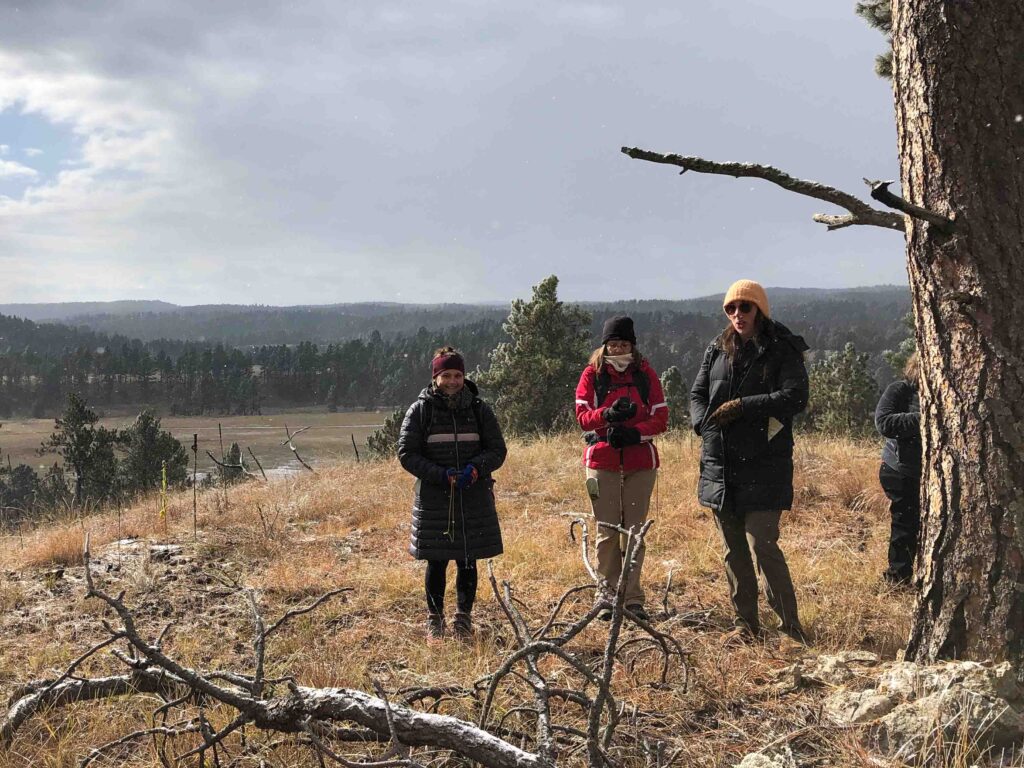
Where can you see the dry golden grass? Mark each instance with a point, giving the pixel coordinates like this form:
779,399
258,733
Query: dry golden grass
348,526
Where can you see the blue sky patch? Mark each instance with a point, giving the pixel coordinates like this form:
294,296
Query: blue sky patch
33,141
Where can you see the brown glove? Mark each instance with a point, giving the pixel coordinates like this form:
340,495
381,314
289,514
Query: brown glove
727,412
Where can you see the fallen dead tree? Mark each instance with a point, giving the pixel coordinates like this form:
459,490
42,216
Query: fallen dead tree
330,721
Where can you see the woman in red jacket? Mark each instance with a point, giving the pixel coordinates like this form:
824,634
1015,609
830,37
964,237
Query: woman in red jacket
621,407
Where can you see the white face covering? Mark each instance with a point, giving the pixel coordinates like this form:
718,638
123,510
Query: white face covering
619,362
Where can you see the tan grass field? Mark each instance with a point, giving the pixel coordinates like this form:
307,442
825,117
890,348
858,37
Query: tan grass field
328,439
348,525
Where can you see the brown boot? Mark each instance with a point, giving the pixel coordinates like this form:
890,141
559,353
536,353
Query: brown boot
435,628
462,626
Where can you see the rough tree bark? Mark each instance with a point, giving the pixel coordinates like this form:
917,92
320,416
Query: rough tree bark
958,70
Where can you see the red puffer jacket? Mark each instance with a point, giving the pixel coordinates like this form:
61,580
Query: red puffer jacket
650,419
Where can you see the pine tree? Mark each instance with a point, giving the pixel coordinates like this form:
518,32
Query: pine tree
677,398
533,377
146,448
878,13
383,444
87,448
843,394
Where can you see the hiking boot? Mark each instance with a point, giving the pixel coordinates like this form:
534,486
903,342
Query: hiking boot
462,625
605,614
639,611
435,628
795,632
741,634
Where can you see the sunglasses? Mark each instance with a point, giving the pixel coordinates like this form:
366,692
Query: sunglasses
743,306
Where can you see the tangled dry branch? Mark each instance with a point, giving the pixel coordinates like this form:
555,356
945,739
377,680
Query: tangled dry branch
330,720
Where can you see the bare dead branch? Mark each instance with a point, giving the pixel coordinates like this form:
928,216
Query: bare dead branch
558,607
97,752
880,192
325,715
584,546
75,664
412,695
291,445
288,616
668,590
210,741
859,211
224,465
257,462
74,690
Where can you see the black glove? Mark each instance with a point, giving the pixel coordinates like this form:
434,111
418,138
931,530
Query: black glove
622,409
620,437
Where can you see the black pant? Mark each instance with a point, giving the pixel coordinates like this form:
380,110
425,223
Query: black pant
904,494
437,580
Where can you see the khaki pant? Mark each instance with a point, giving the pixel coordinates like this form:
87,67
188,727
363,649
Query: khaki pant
756,533
623,499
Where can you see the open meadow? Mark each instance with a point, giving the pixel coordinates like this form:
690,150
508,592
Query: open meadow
347,525
328,439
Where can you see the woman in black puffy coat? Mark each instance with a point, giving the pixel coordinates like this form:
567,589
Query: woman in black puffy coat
451,442
751,384
898,419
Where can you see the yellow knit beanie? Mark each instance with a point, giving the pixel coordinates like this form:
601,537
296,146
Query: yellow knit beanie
748,290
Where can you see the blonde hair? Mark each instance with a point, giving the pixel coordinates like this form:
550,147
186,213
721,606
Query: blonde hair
912,369
597,357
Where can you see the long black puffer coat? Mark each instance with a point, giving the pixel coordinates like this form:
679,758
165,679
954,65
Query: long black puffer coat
749,463
449,524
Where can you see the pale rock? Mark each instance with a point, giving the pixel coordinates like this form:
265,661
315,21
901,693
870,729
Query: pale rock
780,759
846,707
910,680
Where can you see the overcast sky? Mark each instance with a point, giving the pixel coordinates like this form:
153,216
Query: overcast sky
320,152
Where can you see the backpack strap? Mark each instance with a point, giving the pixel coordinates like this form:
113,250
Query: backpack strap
641,381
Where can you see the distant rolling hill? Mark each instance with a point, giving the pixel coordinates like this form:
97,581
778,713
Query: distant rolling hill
248,325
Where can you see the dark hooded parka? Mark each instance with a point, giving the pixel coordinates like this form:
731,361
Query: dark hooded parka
750,459
439,433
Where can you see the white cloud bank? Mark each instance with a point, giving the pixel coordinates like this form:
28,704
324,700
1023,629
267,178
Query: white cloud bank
9,169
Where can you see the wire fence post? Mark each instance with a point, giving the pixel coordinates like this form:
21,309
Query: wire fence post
195,487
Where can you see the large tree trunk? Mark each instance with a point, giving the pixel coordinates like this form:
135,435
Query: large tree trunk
959,93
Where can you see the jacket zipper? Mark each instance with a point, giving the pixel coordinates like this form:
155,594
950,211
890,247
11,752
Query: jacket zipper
732,393
462,509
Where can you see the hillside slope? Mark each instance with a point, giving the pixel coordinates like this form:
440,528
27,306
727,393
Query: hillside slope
347,526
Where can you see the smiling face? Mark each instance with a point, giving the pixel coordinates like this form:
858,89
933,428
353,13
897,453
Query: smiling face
743,317
450,381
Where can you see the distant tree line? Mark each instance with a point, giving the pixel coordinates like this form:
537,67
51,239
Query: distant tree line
40,364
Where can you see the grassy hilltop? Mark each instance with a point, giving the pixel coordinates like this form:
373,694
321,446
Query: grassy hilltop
347,526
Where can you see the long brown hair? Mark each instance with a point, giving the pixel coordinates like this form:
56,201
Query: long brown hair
596,360
727,340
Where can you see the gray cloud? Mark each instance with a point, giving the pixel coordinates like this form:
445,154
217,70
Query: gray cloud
320,152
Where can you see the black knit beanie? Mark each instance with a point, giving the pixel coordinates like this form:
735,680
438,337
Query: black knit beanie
620,327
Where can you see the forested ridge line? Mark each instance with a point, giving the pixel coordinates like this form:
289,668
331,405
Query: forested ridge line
376,366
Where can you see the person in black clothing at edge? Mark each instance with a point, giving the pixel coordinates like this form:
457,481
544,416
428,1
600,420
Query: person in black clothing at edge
751,383
898,419
451,442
